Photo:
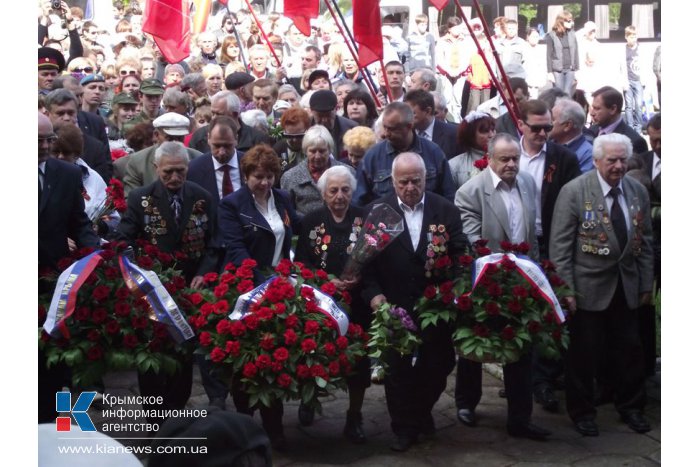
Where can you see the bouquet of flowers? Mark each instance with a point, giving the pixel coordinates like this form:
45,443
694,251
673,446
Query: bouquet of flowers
382,225
392,329
284,346
501,305
108,326
115,200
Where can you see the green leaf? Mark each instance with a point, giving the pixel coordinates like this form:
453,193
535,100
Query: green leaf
320,382
307,393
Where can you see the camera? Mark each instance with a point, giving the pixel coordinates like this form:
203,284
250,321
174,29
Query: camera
56,4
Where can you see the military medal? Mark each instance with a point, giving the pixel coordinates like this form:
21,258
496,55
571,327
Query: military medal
602,237
600,207
312,235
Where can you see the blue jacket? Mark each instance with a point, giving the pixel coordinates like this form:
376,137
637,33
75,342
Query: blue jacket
244,232
374,172
584,152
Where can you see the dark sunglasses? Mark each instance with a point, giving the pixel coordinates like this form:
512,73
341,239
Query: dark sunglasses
87,69
538,128
48,139
291,136
124,72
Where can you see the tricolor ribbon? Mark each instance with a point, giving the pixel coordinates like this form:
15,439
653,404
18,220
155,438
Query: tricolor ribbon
527,268
324,302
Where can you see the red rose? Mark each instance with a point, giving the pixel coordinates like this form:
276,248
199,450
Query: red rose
249,370
481,330
93,335
99,315
198,321
303,372
443,262
279,308
263,361
307,274
221,307
281,354
446,287
249,263
515,307
130,341
329,288
495,290
84,251
217,355
522,248
244,273
507,264
481,164
321,274
227,278
465,260
82,313
205,339
245,286
251,322
534,327
164,258
233,348
291,321
556,281
284,267
220,290
311,307
284,380
329,349
520,292
307,293
267,342
549,317
107,255
464,302
122,309
508,333
139,322
342,342
318,371
290,337
492,309
548,266
430,292
112,273
100,292
210,277
145,262
179,282
346,297
122,293
483,251
237,328
94,353
112,327
222,327
506,245
308,345
311,327
448,298
196,298
334,368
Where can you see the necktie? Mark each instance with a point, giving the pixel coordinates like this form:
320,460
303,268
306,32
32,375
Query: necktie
227,185
618,219
175,205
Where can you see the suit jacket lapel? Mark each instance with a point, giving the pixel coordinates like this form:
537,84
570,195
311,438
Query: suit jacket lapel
599,201
48,185
160,193
495,202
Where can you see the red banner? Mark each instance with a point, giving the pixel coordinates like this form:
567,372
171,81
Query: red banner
439,4
301,12
367,29
169,24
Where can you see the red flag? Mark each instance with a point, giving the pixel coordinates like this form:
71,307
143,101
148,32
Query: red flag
301,12
367,29
439,4
169,24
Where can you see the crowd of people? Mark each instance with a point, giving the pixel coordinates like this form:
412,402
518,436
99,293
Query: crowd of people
260,153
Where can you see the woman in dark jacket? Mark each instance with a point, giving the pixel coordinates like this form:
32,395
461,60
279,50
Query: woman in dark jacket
562,53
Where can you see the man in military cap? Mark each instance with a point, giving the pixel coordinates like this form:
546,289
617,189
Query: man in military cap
601,244
51,63
125,104
93,92
323,103
152,91
140,169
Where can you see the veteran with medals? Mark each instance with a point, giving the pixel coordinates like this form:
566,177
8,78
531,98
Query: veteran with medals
174,215
601,245
326,240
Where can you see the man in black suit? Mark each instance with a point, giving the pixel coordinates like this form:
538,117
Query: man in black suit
227,103
398,275
90,123
219,170
441,133
174,215
552,166
62,105
606,112
61,216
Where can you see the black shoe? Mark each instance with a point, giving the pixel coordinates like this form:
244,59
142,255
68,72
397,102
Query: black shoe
219,402
544,395
467,417
502,393
353,428
402,443
637,422
586,427
529,431
306,414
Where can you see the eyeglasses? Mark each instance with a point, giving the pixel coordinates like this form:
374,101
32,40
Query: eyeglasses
293,136
538,128
87,69
48,139
125,72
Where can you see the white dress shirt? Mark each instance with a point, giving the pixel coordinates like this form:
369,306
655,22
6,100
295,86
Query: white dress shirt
276,225
94,187
414,219
233,171
534,165
428,132
609,199
656,169
514,206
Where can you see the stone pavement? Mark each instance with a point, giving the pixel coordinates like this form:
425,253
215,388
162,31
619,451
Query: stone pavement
322,444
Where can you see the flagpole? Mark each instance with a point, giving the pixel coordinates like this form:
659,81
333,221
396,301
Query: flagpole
267,40
351,48
238,38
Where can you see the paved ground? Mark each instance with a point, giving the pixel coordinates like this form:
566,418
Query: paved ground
322,444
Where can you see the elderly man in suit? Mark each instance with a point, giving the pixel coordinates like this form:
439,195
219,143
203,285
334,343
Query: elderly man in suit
174,215
398,275
443,134
61,216
499,205
606,113
601,245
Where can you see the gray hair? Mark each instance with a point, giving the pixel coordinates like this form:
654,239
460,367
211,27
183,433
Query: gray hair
171,149
571,111
336,171
174,96
288,88
427,75
501,137
59,97
408,157
192,80
345,82
255,118
403,109
305,101
233,103
610,139
316,135
440,101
